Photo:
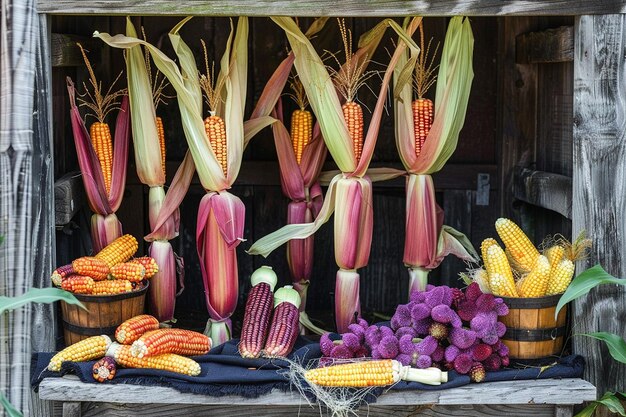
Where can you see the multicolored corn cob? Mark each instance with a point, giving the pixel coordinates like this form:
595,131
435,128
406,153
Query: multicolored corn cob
60,273
104,369
178,341
131,271
518,245
166,361
92,267
257,314
118,251
285,325
89,349
111,287
353,114
133,328
78,284
149,264
422,121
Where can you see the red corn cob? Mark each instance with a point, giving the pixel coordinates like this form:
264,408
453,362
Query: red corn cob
91,267
78,284
149,263
134,272
104,369
110,287
178,341
60,273
133,328
257,313
285,327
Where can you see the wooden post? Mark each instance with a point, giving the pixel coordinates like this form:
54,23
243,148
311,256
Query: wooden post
599,185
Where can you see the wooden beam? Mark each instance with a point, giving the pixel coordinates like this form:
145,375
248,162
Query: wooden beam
545,189
599,190
65,52
372,8
69,197
547,46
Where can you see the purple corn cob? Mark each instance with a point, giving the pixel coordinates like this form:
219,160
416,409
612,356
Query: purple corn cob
60,273
257,313
285,325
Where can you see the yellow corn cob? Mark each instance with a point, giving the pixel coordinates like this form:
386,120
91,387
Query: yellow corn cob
554,254
301,131
358,374
109,287
216,133
497,263
118,251
134,272
161,135
92,267
91,348
535,282
487,243
78,284
166,361
481,277
502,286
102,144
560,277
422,121
518,245
149,264
133,328
353,114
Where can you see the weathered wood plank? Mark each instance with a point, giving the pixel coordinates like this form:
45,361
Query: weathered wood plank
599,184
72,409
564,411
545,189
332,8
546,46
69,197
542,391
65,52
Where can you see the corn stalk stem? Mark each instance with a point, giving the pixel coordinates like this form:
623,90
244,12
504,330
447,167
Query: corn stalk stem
418,279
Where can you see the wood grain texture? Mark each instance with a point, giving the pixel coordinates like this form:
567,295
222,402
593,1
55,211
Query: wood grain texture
69,197
541,391
544,189
546,46
72,409
598,194
332,8
65,52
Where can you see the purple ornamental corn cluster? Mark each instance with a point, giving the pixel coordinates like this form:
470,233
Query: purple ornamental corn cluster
442,327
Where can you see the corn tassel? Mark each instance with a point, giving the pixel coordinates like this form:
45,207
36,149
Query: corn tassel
257,314
132,329
178,341
422,121
535,283
518,245
89,349
301,131
165,362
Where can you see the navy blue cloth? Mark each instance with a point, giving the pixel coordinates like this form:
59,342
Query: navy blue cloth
225,372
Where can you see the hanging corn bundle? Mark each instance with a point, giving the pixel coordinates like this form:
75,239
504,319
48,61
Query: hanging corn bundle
221,214
102,161
349,193
425,144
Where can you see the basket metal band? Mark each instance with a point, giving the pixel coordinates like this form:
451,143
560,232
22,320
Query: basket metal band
534,335
88,331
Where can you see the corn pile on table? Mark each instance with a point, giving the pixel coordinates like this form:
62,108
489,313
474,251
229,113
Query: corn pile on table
547,397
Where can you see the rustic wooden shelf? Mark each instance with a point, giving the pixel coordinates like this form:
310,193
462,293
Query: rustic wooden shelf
543,397
332,8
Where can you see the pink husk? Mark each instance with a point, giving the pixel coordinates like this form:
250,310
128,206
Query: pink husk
290,176
169,229
219,331
347,301
104,230
418,278
422,221
313,157
120,155
162,290
300,251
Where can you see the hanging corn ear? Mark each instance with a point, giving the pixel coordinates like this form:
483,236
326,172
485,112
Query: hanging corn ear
368,373
560,277
103,145
161,134
285,328
353,115
61,272
301,131
422,121
90,266
133,328
535,283
216,133
134,272
165,362
111,287
149,264
258,311
518,245
89,349
118,251
178,341
78,284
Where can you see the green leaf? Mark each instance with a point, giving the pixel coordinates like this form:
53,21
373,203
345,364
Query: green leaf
38,295
9,408
616,345
610,400
1,239
585,282
588,411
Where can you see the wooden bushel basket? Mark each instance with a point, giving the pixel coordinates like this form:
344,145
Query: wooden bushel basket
532,332
104,313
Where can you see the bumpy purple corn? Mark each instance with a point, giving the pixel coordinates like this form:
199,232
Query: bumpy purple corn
60,273
256,320
283,330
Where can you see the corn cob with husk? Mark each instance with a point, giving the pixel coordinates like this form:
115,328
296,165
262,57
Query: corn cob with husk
133,328
178,341
165,362
88,349
426,138
284,328
257,313
377,373
350,193
102,162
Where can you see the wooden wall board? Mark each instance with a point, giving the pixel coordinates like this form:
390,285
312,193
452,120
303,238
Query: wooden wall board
546,46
